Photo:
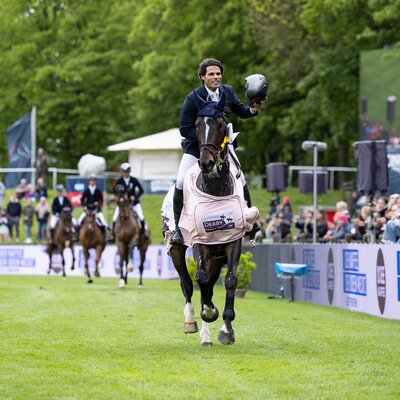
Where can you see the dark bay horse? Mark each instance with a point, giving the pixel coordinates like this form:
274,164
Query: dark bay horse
91,237
215,179
63,237
127,233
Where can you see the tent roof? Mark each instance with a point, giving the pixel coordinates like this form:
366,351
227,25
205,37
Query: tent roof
168,140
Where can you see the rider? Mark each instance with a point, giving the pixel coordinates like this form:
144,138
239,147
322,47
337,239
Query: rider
93,197
59,202
210,73
134,189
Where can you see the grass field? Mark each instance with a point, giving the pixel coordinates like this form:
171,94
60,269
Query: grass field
63,339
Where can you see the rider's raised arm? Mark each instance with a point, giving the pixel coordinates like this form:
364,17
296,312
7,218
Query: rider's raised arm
237,106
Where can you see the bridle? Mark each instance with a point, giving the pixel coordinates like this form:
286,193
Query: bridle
218,152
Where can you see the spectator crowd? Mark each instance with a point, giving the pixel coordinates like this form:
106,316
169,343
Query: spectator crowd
368,220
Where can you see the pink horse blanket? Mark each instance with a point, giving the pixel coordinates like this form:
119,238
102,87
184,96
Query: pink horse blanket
208,219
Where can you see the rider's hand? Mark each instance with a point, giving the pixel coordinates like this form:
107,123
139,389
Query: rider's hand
256,106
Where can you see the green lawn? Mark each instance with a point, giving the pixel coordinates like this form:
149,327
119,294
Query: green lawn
64,339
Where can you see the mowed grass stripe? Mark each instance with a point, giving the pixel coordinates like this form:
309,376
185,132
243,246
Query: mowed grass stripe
64,339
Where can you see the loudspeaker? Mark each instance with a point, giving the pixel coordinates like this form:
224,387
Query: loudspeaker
391,109
306,182
372,165
277,177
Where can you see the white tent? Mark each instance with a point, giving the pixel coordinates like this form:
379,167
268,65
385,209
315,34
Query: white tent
153,157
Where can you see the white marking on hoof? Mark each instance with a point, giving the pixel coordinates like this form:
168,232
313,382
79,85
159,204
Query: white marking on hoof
188,312
205,336
121,283
130,266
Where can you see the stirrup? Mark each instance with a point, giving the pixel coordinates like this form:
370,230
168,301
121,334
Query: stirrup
177,237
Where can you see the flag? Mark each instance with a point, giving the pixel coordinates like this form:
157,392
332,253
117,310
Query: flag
21,143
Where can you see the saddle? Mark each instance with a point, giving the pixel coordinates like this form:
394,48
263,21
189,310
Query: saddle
208,219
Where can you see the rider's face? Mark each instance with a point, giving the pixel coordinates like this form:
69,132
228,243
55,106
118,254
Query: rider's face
213,77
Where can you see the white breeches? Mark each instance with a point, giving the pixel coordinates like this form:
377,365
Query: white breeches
188,161
137,208
99,217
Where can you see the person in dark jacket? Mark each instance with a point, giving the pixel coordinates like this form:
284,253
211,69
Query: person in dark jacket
134,189
59,202
14,211
210,73
93,197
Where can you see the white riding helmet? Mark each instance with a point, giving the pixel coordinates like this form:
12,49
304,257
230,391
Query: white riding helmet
125,167
92,177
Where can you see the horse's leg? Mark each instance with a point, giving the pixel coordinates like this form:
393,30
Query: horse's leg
121,250
142,251
209,313
50,252
61,249
177,254
226,334
98,256
73,256
87,272
205,336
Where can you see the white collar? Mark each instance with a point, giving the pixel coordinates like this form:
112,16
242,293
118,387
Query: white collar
211,94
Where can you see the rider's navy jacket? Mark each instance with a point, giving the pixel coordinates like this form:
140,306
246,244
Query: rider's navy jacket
134,187
189,115
89,198
56,207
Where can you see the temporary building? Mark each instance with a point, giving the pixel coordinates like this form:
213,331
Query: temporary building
154,157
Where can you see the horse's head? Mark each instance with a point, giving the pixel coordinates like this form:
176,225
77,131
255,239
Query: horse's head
66,214
212,134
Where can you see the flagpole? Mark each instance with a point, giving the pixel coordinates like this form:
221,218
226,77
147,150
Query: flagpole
33,144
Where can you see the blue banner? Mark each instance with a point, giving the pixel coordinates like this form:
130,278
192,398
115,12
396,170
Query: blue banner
19,145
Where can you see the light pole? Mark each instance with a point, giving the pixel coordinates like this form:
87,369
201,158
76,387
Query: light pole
316,147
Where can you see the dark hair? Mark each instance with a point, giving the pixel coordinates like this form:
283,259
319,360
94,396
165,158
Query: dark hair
209,62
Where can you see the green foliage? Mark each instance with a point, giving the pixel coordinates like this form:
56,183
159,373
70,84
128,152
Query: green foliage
102,72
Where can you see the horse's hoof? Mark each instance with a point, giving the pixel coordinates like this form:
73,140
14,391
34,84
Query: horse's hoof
209,314
140,285
226,337
90,280
190,327
130,269
206,344
72,268
121,283
96,274
48,272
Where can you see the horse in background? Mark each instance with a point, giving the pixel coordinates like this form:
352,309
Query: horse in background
91,237
63,238
127,233
216,180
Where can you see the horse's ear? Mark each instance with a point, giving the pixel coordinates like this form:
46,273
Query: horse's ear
199,101
221,102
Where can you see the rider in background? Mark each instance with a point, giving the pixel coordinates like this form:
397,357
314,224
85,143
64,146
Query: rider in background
59,202
210,73
134,189
92,197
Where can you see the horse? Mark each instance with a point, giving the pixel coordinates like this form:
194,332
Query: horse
91,237
215,180
127,233
142,246
63,237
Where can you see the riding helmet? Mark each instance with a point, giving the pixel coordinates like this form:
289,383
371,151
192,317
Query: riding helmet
256,88
92,177
125,167
60,188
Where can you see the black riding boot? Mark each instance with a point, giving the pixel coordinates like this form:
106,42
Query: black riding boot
177,237
103,232
52,235
255,228
143,230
